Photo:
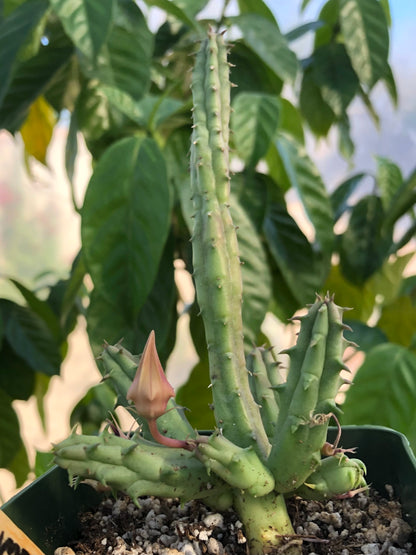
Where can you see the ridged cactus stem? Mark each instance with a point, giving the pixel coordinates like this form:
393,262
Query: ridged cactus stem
263,390
267,524
217,271
307,401
139,468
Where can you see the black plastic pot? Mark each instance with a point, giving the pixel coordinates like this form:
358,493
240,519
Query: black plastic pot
47,510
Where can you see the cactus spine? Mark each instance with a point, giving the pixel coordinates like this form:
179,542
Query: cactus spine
216,260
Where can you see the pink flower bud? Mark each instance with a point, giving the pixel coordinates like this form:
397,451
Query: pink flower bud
150,390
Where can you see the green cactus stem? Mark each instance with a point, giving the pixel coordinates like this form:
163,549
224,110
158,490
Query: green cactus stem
216,262
240,467
306,401
267,524
262,389
138,467
336,476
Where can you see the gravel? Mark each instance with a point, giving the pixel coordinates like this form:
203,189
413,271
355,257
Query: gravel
366,524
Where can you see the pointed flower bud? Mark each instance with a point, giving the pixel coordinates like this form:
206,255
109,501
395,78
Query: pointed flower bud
150,390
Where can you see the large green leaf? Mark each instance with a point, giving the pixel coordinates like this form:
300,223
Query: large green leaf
254,122
64,297
100,123
290,121
265,39
30,338
250,188
389,179
182,10
14,31
10,442
364,245
335,76
196,396
17,378
94,408
105,322
305,178
258,7
41,308
30,79
196,393
255,274
298,32
346,145
151,111
63,88
341,195
329,17
403,200
390,83
125,222
124,59
87,23
316,111
250,73
384,390
292,253
284,303
276,168
190,7
365,97
365,32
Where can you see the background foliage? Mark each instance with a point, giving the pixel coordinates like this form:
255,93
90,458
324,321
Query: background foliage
126,91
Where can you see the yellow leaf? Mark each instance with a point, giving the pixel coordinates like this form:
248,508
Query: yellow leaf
38,128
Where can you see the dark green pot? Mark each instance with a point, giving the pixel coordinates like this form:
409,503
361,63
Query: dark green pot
47,510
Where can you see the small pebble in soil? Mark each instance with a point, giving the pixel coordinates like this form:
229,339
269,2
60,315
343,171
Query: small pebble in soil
367,524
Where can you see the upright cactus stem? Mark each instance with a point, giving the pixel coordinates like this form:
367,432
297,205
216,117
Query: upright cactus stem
216,260
307,400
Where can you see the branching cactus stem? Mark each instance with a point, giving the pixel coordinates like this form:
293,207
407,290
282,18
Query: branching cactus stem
271,437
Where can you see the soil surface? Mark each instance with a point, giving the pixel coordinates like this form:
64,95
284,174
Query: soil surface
366,524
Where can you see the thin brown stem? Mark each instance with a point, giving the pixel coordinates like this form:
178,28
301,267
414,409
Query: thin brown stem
168,441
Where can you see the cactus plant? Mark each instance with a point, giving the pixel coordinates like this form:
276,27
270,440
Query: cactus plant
270,437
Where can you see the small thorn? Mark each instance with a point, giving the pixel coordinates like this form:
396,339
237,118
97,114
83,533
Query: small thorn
353,344
295,319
